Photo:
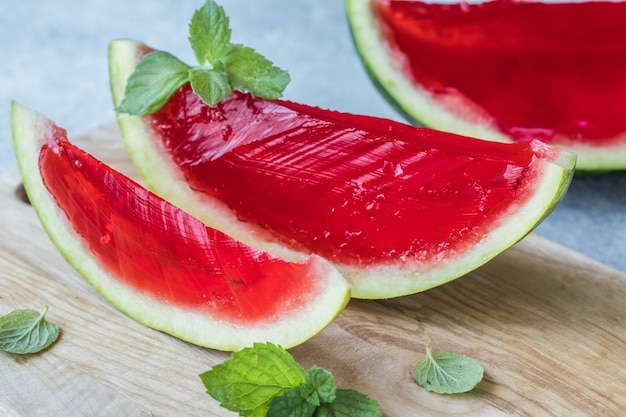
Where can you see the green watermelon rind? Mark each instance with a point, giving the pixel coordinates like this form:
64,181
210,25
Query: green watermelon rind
513,228
371,282
200,329
419,106
150,159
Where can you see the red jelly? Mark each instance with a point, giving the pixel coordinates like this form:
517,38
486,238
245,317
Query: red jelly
553,71
163,252
353,189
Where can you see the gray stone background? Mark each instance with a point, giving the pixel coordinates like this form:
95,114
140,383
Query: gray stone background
54,59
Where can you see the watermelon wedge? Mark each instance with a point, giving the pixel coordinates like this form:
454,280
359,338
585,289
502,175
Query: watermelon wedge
504,70
158,264
396,208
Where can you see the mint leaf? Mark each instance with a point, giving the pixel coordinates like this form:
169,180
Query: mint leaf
211,85
291,404
349,403
319,387
265,380
209,33
223,67
248,381
448,372
26,331
157,76
252,72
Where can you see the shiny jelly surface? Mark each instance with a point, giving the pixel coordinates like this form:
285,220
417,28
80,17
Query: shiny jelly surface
354,189
552,71
161,251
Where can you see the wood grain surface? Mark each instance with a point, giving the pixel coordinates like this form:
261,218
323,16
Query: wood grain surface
548,325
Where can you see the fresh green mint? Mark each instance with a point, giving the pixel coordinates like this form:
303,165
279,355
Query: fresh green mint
265,380
26,331
157,76
448,372
222,68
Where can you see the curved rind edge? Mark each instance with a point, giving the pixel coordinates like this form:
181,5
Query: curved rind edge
549,191
366,282
148,157
418,106
28,127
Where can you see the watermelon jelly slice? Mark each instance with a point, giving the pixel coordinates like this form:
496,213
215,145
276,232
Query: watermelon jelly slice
504,70
161,266
398,209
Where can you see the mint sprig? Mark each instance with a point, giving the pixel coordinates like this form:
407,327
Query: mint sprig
26,331
265,380
349,403
157,76
223,67
317,389
448,372
248,381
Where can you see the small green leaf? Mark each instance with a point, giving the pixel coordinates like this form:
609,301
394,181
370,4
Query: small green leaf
319,387
210,84
291,404
157,76
222,68
349,403
26,331
265,380
247,382
252,72
448,372
209,33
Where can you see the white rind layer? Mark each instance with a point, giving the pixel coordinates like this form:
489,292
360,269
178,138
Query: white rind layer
29,133
372,282
420,105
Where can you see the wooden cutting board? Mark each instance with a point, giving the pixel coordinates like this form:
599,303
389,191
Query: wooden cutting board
548,325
